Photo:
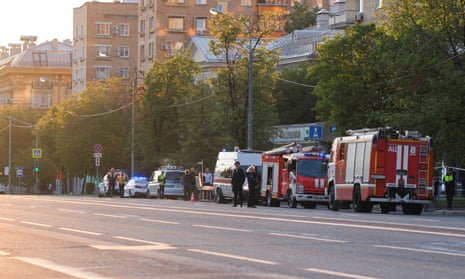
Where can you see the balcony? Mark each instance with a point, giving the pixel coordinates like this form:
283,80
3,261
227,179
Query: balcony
273,3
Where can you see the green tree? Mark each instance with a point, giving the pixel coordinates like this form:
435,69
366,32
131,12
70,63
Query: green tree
302,17
234,39
166,111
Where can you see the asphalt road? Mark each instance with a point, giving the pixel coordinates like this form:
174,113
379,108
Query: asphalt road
90,237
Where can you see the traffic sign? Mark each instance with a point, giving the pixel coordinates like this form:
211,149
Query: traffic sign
19,171
316,132
36,153
97,148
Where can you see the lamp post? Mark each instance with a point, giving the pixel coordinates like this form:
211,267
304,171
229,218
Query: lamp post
133,113
214,11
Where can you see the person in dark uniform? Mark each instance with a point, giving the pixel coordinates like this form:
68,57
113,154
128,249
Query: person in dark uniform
449,181
111,176
252,182
237,181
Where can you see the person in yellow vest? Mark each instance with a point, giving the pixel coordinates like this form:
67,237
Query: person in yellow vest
449,181
121,183
161,180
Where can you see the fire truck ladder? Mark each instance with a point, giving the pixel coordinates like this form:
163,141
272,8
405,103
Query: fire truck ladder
423,167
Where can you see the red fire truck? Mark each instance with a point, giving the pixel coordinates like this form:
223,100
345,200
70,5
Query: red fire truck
290,174
381,166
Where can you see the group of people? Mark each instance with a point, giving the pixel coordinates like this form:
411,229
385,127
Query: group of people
114,177
238,178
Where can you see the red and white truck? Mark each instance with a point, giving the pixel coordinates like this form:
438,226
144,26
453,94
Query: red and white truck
381,166
296,176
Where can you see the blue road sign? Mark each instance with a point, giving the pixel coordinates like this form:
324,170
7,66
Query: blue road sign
316,132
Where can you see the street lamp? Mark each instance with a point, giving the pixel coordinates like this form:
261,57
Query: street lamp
133,113
214,11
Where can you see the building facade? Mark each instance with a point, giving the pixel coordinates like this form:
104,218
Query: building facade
104,42
37,77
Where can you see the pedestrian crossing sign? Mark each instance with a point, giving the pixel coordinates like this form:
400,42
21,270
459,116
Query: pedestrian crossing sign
36,153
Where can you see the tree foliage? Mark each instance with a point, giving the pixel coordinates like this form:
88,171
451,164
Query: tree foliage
235,38
302,17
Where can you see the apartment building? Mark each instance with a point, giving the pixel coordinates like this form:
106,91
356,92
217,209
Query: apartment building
105,39
37,76
167,25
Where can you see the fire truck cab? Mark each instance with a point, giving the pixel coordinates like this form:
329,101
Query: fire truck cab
381,166
292,175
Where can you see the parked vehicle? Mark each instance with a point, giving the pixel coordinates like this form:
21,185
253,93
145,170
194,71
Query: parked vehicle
224,169
173,187
294,176
136,187
381,166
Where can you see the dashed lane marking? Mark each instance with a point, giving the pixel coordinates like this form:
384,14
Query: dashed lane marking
340,274
222,228
236,257
79,231
309,237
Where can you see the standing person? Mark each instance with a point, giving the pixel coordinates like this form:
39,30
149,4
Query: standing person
162,180
450,187
237,181
436,193
111,176
185,184
251,174
192,184
121,183
207,177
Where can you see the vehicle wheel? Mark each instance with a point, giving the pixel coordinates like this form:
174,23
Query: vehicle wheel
357,204
332,203
385,208
219,198
412,209
291,201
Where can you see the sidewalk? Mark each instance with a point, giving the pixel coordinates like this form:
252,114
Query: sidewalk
458,207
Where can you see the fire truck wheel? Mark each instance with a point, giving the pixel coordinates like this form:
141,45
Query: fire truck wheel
292,202
412,209
332,203
357,204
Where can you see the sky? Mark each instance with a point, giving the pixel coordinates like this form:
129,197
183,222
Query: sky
46,19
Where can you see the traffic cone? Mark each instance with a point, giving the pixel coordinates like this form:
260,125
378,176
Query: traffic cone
192,197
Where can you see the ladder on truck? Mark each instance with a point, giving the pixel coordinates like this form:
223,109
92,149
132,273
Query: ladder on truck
423,170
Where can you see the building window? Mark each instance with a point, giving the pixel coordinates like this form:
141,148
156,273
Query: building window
142,52
103,29
124,72
201,2
152,24
150,50
246,2
176,23
379,4
173,48
41,100
124,29
39,59
102,51
142,26
200,25
222,6
102,72
122,52
175,2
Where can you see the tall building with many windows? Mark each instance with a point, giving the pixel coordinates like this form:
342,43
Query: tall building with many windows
167,25
104,41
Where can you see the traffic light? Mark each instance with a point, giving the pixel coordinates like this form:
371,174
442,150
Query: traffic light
36,166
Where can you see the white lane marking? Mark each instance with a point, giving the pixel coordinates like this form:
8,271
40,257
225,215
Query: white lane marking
79,231
3,253
341,274
309,237
233,256
159,221
6,219
36,224
420,250
71,211
323,222
138,240
68,270
110,215
133,248
222,228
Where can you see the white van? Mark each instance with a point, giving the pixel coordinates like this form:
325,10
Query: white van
224,168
